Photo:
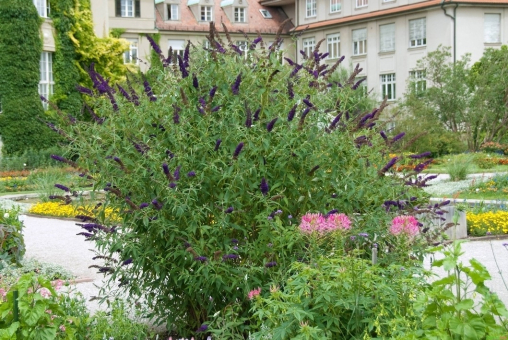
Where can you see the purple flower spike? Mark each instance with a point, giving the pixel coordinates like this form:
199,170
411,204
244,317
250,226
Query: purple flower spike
290,62
62,187
202,328
127,262
58,158
335,121
383,134
270,264
172,185
165,167
230,257
236,85
217,144
143,205
157,204
264,187
176,116
270,125
191,174
238,149
212,92
177,172
422,155
183,70
234,241
389,165
256,114
229,210
195,82
201,259
399,136
248,120
292,112
84,90
217,108
308,103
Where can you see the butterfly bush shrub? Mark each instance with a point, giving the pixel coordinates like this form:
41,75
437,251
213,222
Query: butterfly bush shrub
210,158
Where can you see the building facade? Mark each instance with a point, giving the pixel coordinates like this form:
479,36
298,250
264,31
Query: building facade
388,37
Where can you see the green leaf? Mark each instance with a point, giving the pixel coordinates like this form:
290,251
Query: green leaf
465,304
10,332
468,329
32,314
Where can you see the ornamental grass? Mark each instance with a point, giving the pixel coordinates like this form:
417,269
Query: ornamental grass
490,222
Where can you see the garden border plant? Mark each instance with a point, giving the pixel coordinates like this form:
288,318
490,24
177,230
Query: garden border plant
210,167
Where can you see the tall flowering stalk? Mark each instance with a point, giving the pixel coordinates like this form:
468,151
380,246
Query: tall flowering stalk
404,225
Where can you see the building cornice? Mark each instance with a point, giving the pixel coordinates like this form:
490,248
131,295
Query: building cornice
393,11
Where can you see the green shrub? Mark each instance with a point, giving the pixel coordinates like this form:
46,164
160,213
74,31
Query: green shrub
20,36
12,243
486,162
208,181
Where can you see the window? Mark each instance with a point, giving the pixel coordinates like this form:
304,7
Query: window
128,8
176,48
362,3
387,38
309,44
131,56
173,12
206,13
417,32
388,86
46,80
417,78
335,6
360,41
239,14
265,13
42,7
311,8
492,28
333,45
206,44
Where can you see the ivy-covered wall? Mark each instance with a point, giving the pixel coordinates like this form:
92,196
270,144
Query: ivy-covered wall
20,53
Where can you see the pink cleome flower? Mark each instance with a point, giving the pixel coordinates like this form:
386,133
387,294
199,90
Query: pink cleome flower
253,293
318,223
404,225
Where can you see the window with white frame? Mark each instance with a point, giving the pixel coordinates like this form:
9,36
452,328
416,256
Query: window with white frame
362,3
333,45
360,41
131,56
265,13
46,76
388,86
42,7
239,14
206,13
206,44
418,79
335,6
311,8
173,11
387,38
308,46
492,28
176,48
417,32
127,8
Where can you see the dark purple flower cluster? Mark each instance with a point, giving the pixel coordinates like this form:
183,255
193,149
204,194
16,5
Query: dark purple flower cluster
264,187
421,155
238,149
217,144
271,124
235,88
229,210
157,204
270,264
201,259
230,257
191,174
148,91
389,165
62,187
292,112
183,69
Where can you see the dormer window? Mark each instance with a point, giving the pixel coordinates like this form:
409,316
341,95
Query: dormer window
240,14
173,11
206,13
265,13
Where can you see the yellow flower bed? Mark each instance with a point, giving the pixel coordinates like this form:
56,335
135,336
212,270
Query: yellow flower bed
492,222
68,210
10,178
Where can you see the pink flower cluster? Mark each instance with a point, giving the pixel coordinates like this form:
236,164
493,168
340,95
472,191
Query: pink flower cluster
318,223
404,225
253,293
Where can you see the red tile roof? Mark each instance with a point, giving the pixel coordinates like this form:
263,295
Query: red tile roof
255,21
394,10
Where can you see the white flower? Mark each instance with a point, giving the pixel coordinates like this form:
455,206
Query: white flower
6,215
217,313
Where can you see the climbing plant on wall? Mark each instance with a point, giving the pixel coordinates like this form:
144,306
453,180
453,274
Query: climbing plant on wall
20,53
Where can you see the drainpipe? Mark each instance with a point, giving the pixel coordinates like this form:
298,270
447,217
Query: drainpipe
454,18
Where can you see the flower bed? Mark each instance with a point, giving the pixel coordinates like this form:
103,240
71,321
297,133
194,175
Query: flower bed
481,224
67,210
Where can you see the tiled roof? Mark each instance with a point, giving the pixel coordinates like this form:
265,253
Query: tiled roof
394,10
255,21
